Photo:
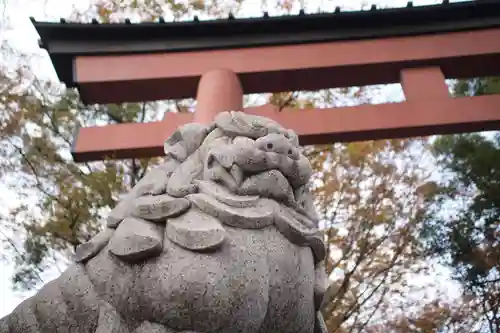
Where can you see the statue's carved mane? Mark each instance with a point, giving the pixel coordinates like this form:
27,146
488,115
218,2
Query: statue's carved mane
203,174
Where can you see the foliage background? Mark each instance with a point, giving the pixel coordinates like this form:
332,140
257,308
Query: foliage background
391,248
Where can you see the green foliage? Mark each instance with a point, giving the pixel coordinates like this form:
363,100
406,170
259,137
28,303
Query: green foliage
372,197
477,87
468,237
471,238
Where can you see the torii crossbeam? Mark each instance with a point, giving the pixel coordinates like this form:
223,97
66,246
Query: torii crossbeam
417,46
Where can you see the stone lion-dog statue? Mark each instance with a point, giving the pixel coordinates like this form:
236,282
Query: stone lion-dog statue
220,238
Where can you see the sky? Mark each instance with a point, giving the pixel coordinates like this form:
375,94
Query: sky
21,35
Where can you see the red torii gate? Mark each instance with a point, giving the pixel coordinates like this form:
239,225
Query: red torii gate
417,46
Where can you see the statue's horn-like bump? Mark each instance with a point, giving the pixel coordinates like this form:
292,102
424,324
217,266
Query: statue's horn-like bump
180,183
136,239
158,208
195,231
88,250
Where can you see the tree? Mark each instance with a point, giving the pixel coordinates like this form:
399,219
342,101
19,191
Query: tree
468,238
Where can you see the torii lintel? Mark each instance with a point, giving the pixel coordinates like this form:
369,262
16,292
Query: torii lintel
417,46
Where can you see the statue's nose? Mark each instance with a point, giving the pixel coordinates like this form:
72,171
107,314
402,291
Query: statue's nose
277,143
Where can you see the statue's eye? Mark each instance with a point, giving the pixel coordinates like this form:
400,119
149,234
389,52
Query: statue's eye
289,152
269,146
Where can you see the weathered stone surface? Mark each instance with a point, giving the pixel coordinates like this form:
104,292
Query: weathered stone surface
185,140
320,285
305,204
120,212
153,183
293,229
79,293
270,184
217,173
243,141
149,327
136,239
190,252
109,320
317,245
251,159
158,208
88,250
319,324
256,217
293,137
181,183
223,195
196,231
277,143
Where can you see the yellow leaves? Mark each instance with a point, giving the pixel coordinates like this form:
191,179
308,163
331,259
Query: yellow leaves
11,123
368,190
359,152
282,100
198,4
356,150
104,13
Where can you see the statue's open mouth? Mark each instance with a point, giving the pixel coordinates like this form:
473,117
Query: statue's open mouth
254,212
248,187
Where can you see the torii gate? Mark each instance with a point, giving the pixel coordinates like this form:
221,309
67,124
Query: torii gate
417,46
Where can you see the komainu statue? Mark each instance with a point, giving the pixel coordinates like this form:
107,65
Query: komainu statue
220,238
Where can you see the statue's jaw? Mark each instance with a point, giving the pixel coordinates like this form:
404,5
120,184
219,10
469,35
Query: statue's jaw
254,212
249,171
260,195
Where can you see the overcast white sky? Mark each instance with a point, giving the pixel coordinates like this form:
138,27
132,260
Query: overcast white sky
22,35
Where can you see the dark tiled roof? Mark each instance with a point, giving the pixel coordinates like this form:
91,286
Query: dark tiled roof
64,40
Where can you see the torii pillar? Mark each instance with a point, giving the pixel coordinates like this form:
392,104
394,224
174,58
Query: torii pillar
218,90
